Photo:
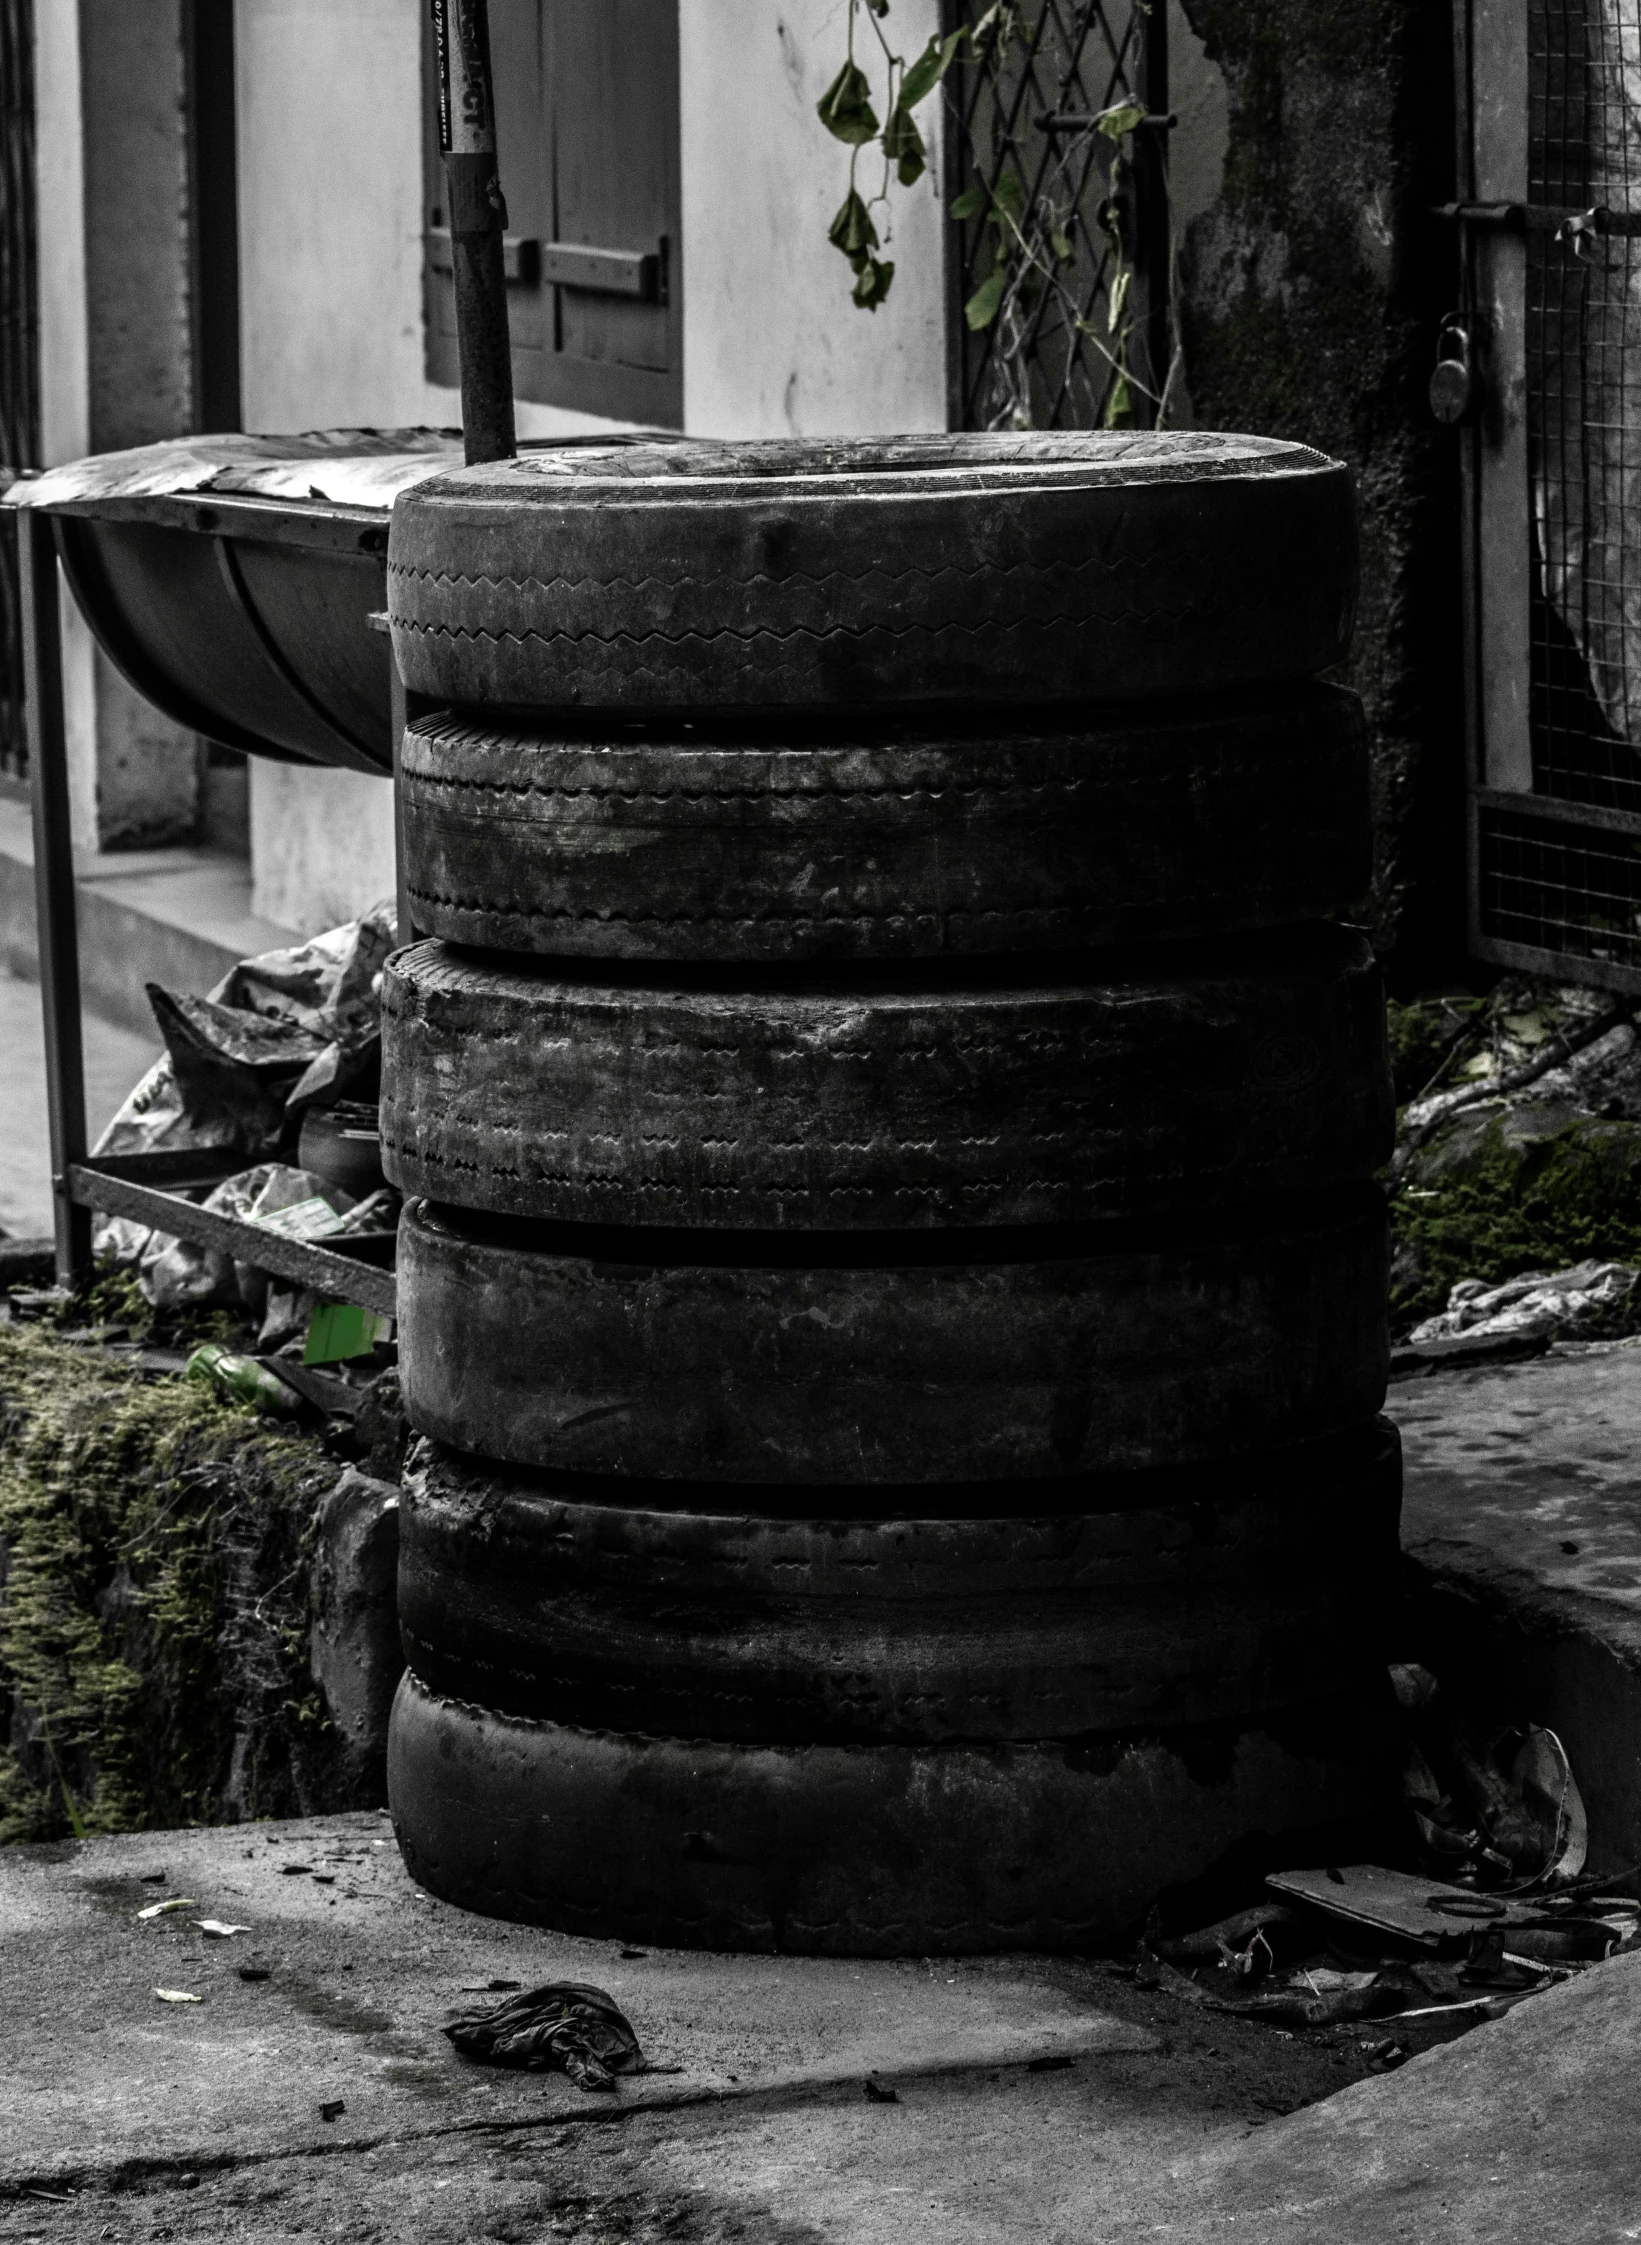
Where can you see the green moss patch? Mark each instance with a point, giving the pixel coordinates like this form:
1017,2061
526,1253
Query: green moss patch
1504,1190
153,1599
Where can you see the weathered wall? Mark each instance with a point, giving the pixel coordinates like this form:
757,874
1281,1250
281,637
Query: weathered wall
115,351
772,344
1313,288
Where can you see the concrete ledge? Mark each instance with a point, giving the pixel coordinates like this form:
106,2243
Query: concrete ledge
181,917
1521,1529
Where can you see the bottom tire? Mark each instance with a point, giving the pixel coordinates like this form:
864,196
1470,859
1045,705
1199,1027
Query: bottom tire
860,1850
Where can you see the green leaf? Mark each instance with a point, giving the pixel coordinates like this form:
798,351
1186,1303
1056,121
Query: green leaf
1119,404
852,230
970,203
1119,297
845,109
903,145
931,66
1060,244
981,308
1120,119
1009,196
873,285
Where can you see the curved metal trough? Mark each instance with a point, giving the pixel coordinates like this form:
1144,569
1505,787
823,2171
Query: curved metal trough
231,580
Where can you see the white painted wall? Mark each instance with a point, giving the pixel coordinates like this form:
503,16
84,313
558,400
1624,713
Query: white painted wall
321,845
330,235
772,344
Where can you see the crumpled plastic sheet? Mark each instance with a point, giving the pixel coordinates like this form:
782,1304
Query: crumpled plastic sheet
276,1033
564,2026
177,1274
1589,1297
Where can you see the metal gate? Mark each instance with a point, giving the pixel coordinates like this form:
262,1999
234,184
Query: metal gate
1551,218
1057,159
19,339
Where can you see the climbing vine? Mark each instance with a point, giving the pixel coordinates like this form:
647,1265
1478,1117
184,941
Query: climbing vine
846,110
1056,261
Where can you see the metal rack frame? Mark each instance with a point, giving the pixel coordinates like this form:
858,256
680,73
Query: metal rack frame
149,1187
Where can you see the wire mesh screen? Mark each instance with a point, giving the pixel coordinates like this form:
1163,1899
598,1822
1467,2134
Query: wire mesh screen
1568,890
19,340
1584,401
1061,261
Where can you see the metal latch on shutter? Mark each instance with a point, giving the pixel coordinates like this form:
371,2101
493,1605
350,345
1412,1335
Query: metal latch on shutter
520,255
598,272
604,272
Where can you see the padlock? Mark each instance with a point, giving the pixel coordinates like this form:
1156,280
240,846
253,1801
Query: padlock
1452,381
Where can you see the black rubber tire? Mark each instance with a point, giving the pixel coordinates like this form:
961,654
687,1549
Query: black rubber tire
867,1850
997,570
1097,1351
1218,1593
1244,813
1175,1080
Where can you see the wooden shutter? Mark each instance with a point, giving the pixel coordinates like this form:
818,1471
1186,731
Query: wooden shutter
587,121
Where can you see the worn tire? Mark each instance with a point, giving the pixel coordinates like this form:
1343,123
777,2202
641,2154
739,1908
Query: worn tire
673,845
1208,1594
1182,1080
867,1850
998,571
909,1358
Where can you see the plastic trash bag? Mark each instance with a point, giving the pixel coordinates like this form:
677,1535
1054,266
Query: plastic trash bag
565,2026
278,1031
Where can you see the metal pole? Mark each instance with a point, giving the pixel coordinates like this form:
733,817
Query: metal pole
54,886
478,222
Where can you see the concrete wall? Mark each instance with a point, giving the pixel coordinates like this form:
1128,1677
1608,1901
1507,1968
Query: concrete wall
115,351
1313,284
772,344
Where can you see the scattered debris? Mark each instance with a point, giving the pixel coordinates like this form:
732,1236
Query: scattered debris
177,1995
164,1909
244,1378
1051,2065
1394,1902
876,2094
1590,1299
255,1972
215,1930
564,2025
1489,1909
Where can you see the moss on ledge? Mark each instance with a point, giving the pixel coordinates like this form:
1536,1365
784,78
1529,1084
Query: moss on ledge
153,1600
1503,1190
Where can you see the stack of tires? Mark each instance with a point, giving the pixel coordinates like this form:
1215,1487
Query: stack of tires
891,1276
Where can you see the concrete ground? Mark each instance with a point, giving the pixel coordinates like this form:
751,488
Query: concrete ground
114,1059
1033,2099
1521,1526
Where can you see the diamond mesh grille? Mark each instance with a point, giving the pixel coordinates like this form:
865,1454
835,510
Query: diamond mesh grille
1023,106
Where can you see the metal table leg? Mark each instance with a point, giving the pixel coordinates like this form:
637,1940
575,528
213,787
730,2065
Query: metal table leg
54,887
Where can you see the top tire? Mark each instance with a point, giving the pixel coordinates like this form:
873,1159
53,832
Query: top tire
990,569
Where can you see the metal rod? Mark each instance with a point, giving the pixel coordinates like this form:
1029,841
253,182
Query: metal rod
478,223
329,1270
54,888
